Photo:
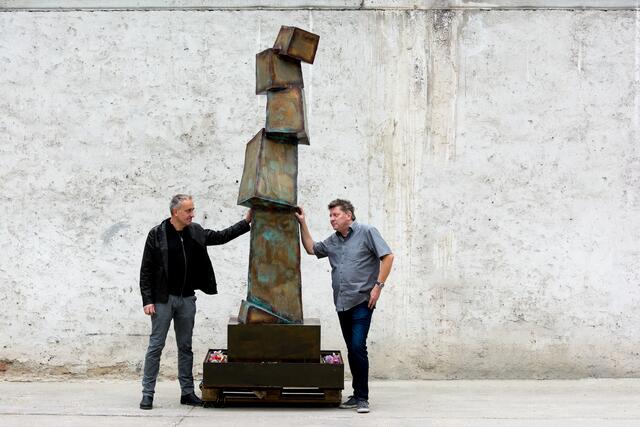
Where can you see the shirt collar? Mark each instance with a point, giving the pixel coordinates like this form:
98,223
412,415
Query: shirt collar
354,226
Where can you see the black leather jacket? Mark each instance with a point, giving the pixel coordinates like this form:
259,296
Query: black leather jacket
154,281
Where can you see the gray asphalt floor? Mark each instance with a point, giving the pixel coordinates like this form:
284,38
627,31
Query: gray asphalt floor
601,402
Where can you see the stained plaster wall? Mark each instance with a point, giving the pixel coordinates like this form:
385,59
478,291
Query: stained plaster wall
497,151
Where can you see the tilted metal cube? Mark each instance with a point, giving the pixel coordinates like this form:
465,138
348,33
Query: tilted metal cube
276,72
270,176
274,283
286,115
297,43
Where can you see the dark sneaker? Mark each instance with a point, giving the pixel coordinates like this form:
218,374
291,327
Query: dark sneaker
190,399
352,402
146,402
363,406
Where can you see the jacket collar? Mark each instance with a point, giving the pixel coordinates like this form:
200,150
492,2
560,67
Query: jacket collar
164,246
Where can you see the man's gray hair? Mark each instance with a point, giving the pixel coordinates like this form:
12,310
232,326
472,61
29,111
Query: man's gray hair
177,200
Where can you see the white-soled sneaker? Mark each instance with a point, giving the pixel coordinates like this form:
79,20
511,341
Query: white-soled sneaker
352,402
363,406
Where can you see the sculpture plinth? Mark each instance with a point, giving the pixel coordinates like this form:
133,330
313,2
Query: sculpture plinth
273,342
274,364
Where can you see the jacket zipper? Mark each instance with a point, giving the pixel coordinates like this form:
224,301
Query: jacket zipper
184,255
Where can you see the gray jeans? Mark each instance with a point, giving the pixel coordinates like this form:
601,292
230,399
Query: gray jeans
183,312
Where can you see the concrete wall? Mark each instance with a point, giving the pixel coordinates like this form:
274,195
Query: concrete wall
496,150
315,4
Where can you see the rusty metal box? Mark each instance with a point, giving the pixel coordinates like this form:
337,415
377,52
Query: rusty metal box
274,71
270,176
274,374
273,342
274,279
286,115
297,43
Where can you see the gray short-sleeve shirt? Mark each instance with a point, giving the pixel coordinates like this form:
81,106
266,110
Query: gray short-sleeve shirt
355,263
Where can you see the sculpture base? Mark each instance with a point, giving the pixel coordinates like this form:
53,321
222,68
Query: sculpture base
283,383
273,363
273,342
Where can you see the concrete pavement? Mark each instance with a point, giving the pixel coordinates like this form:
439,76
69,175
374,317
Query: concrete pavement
393,403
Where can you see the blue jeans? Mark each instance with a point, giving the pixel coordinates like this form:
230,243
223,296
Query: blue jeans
182,310
355,324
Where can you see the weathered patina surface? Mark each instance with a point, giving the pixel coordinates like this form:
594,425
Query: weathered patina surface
286,116
275,71
270,173
257,313
297,43
274,282
269,183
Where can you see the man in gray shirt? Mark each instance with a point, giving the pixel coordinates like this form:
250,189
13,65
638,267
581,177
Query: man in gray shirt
360,263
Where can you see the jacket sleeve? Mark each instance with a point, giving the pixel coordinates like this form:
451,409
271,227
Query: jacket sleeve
212,237
147,271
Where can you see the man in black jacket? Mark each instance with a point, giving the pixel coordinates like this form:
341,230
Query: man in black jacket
174,264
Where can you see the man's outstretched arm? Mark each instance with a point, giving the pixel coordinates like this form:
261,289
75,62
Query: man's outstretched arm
213,237
307,240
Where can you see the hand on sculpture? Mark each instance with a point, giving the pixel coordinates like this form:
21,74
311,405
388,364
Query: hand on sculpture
249,216
299,213
149,309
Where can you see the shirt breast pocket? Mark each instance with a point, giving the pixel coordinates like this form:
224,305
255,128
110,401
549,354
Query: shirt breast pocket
359,254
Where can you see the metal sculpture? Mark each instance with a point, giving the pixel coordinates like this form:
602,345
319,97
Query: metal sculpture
274,354
269,182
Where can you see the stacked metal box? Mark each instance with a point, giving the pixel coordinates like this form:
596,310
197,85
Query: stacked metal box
269,182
